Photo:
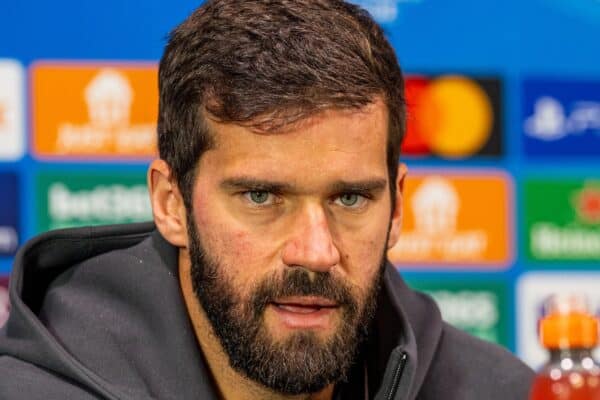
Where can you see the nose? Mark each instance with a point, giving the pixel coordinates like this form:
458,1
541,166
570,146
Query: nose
311,243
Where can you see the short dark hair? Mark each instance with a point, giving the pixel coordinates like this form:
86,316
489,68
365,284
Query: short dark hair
269,63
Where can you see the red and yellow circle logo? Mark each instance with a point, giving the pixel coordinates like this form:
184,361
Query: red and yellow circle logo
449,116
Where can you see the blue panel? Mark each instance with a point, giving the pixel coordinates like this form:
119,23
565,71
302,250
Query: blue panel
9,214
561,118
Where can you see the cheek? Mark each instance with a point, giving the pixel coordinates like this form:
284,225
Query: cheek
234,249
363,255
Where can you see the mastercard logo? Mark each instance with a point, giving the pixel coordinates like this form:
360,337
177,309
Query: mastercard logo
453,117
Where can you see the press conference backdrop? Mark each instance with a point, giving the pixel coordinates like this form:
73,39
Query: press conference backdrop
502,202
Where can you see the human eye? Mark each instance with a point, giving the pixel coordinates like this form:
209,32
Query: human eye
259,197
352,201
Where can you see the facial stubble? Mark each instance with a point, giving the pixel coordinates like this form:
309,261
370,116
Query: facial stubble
302,362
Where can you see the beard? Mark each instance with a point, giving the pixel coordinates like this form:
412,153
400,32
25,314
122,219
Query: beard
302,362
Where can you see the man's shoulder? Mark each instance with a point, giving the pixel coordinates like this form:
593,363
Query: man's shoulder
23,380
466,368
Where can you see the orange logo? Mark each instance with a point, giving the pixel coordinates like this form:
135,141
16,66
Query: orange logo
98,111
456,219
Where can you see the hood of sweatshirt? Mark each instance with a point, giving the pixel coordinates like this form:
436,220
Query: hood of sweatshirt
101,308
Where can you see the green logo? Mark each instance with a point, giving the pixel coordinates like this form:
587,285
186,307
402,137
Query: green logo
75,199
562,220
475,306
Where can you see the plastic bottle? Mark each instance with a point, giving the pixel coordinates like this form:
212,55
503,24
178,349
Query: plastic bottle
569,331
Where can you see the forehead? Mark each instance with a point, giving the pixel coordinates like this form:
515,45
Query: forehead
341,130
330,142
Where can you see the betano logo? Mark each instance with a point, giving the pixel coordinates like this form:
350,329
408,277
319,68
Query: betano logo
453,116
468,308
448,221
94,111
474,305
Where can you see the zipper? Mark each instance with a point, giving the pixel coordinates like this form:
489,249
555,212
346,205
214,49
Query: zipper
397,376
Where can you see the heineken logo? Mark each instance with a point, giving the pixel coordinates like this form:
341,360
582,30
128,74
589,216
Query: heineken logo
549,241
587,204
563,220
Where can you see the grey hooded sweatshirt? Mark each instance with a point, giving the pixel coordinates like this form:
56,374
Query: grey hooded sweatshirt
97,313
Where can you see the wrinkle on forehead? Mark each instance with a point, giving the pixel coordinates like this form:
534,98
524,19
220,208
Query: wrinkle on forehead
334,140
262,127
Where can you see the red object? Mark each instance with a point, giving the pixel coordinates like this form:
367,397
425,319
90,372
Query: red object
570,333
415,143
571,386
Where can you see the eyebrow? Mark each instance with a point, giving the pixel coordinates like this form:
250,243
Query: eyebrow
340,186
243,183
360,186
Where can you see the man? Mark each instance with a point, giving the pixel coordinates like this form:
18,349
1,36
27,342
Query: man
275,198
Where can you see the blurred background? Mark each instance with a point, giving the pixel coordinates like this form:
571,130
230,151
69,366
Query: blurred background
502,203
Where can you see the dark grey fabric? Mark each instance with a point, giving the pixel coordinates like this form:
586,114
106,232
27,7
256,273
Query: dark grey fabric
98,314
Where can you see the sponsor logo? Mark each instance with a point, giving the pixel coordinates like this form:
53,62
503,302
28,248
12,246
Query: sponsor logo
444,222
533,289
12,131
562,220
81,199
384,11
9,212
561,118
4,300
453,117
477,307
84,110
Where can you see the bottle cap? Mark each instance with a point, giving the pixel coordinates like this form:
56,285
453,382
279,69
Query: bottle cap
568,323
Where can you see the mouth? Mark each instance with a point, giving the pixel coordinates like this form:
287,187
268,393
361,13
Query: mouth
305,312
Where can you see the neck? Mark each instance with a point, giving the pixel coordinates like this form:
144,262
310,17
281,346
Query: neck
231,384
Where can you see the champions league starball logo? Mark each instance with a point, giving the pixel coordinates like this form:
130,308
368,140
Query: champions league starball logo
384,11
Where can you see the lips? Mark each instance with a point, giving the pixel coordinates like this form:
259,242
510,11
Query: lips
305,312
304,304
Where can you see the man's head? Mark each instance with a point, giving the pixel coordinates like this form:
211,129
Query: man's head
279,132
267,63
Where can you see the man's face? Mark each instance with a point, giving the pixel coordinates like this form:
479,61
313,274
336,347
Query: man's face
287,236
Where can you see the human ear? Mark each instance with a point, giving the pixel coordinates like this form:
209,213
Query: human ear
168,207
396,222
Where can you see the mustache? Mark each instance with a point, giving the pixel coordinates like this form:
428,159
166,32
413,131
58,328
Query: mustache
300,282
